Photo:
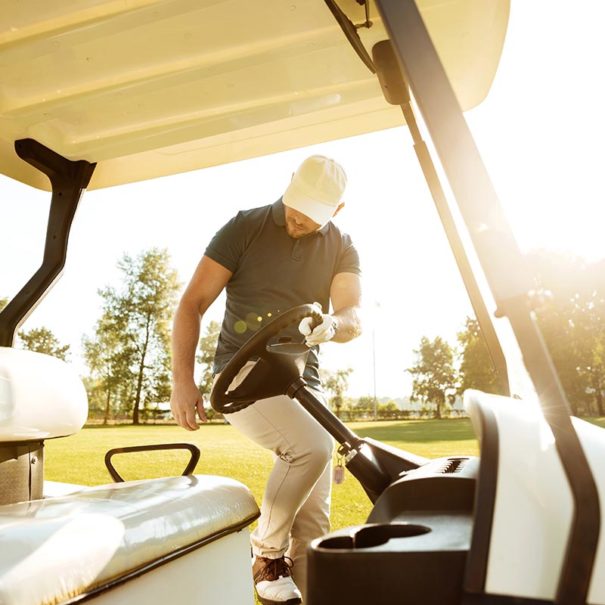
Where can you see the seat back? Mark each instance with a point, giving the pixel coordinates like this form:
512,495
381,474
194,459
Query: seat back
532,505
41,397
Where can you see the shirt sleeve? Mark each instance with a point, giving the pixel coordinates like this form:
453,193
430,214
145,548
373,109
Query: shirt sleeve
348,262
227,245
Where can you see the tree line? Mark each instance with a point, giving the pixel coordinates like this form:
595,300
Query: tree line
571,318
128,353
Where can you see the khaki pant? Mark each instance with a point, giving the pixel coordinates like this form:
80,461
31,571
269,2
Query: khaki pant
296,504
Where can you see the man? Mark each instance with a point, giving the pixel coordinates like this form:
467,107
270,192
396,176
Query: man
270,259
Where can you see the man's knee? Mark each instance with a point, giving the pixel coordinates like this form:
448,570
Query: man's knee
321,450
314,451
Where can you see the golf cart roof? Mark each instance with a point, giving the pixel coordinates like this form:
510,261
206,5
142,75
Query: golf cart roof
148,88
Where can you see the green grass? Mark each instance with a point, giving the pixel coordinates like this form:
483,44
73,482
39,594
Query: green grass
79,458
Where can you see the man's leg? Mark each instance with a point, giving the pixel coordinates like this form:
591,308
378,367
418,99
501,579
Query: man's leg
312,521
303,451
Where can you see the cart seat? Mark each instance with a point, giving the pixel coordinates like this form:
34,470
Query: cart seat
525,500
40,397
61,549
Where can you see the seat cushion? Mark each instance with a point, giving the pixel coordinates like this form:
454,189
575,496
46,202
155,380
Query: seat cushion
40,397
57,549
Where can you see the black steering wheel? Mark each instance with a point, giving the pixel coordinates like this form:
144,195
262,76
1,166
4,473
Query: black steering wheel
277,367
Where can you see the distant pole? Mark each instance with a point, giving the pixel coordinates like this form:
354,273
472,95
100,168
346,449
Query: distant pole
376,306
374,370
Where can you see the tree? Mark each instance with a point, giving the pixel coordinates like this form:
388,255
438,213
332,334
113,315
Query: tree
336,383
476,368
130,352
365,404
42,340
388,410
572,321
109,365
434,373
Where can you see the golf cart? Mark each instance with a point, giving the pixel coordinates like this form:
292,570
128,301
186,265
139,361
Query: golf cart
98,93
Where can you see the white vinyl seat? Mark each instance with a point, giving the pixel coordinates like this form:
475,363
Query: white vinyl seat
41,397
118,544
59,549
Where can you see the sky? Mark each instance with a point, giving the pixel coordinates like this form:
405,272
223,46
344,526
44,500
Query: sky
540,133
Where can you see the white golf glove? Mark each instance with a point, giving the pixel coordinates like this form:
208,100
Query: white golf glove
321,333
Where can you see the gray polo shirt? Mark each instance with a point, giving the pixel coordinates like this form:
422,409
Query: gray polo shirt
273,272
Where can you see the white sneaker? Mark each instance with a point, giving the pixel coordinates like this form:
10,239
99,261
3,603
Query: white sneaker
273,581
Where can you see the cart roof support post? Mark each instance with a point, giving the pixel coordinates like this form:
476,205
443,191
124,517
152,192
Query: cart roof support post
505,271
68,179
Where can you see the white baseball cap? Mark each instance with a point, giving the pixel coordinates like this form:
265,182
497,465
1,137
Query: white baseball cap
316,188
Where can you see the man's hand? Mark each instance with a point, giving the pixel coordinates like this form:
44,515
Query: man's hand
323,332
185,401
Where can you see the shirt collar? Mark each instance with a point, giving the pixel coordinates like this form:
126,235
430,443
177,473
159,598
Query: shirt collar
278,213
279,217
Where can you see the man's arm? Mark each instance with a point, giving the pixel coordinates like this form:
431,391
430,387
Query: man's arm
206,284
344,323
345,295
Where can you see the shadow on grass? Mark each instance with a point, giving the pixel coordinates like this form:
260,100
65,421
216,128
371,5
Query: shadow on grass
121,425
419,431
428,431
147,425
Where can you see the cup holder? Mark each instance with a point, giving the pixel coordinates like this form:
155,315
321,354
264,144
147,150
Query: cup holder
374,535
338,543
